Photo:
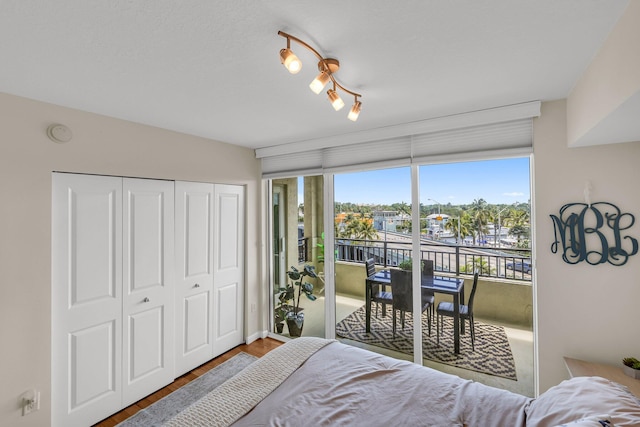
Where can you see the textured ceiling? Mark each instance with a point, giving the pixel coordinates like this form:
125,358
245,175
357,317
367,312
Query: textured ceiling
211,68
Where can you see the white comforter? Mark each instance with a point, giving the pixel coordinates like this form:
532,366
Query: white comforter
341,385
316,382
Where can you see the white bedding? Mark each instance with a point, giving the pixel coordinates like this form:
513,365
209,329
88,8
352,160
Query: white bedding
316,382
342,385
239,394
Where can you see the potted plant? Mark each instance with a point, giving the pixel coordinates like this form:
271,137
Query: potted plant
631,367
284,295
292,313
280,313
407,264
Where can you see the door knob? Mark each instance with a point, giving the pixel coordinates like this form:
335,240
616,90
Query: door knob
196,285
146,299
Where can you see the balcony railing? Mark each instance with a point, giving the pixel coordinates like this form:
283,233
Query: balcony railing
302,249
509,263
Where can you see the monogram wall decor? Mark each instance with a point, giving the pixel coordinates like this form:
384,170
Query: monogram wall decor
593,232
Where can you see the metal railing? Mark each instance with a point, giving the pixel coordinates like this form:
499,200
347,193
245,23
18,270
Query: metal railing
302,249
511,263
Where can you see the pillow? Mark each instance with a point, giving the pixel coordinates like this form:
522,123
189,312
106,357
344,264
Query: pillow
595,421
582,397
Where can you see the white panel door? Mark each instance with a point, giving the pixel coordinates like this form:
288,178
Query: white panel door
228,268
148,287
86,298
194,274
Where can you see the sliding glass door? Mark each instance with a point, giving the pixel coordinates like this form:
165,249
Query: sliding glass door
372,225
297,257
440,223
475,218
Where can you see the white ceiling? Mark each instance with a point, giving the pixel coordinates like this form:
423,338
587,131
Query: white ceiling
212,69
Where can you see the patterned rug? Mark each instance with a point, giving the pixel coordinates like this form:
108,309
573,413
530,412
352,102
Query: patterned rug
164,409
492,353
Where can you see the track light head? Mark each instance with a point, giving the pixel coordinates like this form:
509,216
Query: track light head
327,67
336,102
319,82
355,111
290,61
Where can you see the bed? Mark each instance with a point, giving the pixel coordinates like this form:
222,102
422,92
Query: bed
318,382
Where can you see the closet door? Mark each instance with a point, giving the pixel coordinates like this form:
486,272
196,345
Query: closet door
148,276
86,298
194,275
228,267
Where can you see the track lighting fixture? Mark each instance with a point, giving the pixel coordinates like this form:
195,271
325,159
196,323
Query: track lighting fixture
327,68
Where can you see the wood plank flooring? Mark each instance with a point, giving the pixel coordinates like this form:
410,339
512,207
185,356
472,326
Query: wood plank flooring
257,348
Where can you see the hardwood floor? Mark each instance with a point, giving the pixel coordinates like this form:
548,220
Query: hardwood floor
257,348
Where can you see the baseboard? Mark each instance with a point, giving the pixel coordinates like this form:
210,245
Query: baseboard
278,337
253,337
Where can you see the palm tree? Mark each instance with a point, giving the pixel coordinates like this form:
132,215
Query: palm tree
466,224
519,224
479,264
366,231
453,225
460,226
479,210
351,226
498,217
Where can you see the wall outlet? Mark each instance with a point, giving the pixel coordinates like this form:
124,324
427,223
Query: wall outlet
30,402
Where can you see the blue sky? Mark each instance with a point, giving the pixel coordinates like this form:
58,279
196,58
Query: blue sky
503,181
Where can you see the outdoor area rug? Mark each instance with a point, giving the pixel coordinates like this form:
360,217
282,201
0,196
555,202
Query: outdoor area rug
492,353
166,408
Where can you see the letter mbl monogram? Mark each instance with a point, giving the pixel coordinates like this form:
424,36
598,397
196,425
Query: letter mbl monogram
593,233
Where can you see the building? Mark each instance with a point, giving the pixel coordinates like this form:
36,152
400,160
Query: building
389,220
436,225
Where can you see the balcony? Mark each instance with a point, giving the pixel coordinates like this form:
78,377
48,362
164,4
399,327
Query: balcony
504,296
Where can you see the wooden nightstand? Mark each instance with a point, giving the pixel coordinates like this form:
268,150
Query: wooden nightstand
580,368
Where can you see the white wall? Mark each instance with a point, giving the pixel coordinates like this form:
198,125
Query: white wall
584,311
604,104
100,145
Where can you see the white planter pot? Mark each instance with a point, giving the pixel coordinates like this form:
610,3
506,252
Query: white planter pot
633,373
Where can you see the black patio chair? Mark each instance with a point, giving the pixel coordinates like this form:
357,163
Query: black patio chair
403,297
379,295
466,313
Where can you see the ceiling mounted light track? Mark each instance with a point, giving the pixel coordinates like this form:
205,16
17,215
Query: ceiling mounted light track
327,67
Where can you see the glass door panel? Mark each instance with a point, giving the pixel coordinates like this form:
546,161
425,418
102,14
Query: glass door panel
475,217
372,223
298,285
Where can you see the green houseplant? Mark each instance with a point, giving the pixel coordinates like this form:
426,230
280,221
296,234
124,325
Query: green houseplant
289,297
631,367
280,313
407,264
